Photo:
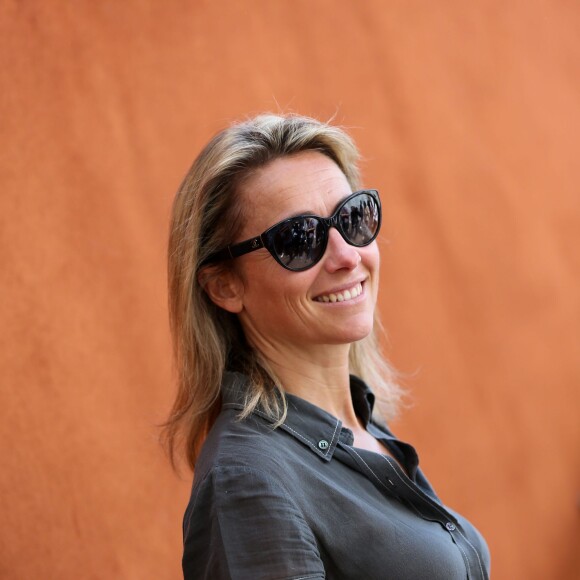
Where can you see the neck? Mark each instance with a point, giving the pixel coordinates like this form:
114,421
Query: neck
319,374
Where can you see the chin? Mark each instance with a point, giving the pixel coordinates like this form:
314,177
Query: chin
351,333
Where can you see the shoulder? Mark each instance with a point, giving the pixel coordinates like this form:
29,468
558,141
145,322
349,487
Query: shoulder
242,444
241,520
242,523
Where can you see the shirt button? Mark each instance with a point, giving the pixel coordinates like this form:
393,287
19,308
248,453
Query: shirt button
450,526
323,444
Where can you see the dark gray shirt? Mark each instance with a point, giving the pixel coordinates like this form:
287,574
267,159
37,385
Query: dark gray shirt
300,502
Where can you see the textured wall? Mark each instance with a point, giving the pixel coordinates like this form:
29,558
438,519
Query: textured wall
467,114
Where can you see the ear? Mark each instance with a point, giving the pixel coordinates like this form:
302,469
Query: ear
223,286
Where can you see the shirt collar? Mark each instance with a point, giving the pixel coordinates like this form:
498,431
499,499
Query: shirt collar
309,424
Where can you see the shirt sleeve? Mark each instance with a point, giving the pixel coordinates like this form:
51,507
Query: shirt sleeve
241,524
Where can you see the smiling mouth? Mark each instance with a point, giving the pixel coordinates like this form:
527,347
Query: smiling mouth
343,296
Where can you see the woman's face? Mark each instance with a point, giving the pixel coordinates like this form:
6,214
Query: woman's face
280,307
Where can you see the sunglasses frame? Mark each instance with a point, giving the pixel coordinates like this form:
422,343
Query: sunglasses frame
266,238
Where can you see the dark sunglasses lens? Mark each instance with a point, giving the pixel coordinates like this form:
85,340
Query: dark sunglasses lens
359,219
299,243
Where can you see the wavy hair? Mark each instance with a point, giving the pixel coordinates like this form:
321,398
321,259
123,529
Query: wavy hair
208,341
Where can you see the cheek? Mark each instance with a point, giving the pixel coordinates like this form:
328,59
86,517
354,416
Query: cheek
278,305
270,289
371,258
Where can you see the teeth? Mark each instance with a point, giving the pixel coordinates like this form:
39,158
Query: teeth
342,296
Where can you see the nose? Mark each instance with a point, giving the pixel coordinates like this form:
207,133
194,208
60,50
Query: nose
339,254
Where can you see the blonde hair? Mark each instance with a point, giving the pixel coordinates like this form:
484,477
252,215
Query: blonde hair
207,216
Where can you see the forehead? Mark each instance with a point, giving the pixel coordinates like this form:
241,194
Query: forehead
307,182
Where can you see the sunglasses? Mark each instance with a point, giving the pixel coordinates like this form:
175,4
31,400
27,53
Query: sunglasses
298,243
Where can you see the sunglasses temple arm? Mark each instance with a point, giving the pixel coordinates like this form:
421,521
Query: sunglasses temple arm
236,250
245,247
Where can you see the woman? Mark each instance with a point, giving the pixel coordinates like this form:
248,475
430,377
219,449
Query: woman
273,274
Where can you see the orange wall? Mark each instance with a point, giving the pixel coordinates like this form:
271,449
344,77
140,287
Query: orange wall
468,116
